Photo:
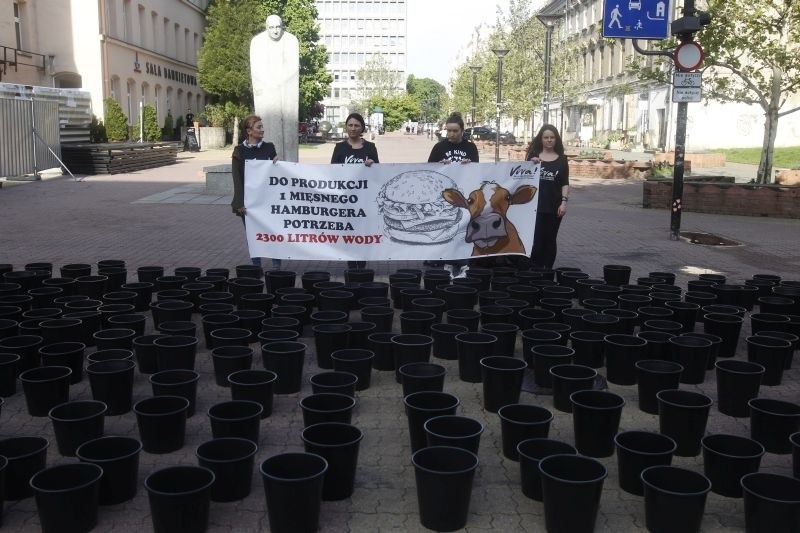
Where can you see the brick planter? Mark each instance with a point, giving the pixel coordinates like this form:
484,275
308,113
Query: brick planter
697,160
726,198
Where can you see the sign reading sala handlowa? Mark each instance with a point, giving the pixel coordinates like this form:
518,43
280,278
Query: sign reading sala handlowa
636,19
390,211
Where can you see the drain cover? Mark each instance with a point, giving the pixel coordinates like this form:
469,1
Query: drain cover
708,239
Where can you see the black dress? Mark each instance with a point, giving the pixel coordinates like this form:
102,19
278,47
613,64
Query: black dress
554,175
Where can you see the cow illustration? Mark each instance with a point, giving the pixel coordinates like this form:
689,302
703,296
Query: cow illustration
489,229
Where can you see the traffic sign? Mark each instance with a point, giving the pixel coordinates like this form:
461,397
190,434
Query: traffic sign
636,19
688,56
687,94
687,79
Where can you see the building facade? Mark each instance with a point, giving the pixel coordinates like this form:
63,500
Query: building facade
354,32
136,51
606,102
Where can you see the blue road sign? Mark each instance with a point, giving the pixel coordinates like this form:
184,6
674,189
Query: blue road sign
636,19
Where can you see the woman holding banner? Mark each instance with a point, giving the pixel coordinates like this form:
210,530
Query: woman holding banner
548,149
355,151
253,147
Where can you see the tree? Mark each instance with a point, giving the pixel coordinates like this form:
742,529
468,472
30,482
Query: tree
397,109
377,78
224,60
752,56
116,122
429,95
152,131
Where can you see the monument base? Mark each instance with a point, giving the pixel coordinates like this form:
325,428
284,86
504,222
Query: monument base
219,179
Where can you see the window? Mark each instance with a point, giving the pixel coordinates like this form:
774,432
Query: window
176,55
131,89
142,28
165,48
18,24
157,102
154,29
126,20
187,48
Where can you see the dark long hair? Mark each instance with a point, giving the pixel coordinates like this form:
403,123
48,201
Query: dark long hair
359,118
455,118
536,146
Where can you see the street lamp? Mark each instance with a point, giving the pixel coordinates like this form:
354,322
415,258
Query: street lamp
549,21
475,69
500,53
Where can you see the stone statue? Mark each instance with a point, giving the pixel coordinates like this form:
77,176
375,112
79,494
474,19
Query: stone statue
275,70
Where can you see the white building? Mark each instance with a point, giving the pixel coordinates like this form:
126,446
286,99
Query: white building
133,50
353,32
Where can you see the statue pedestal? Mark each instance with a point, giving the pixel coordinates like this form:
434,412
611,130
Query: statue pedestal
219,179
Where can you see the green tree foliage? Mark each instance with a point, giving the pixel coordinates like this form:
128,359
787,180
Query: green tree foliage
429,95
377,79
169,128
116,122
752,56
224,60
97,130
152,131
397,109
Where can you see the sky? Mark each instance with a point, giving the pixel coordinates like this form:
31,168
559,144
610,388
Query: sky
439,29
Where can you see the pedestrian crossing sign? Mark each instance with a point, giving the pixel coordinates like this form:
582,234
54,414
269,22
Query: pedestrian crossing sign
637,19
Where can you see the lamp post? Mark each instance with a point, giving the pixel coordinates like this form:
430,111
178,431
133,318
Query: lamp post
500,53
549,21
475,69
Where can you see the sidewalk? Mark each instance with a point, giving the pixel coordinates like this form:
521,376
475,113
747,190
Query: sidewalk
161,217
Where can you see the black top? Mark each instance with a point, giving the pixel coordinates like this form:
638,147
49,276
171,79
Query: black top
344,153
240,154
455,152
555,174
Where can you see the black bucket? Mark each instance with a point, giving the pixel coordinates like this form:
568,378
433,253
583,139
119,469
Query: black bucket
293,488
338,444
231,459
327,407
595,419
424,405
771,353
520,422
726,459
693,354
502,381
683,415
738,382
253,385
471,348
286,360
145,351
531,452
327,339
589,348
771,423
8,374
571,490
567,379
453,430
229,359
444,340
771,503
112,383
381,344
119,458
69,354
410,348
653,376
45,387
334,382
236,418
66,496
727,327
26,455
417,377
178,382
77,422
382,317
674,499
356,361
162,423
444,478
637,450
175,352
622,352
179,498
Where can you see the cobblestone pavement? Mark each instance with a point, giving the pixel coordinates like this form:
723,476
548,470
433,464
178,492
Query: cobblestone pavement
161,217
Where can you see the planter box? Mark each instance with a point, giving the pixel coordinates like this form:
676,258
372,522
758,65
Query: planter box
726,198
697,160
117,158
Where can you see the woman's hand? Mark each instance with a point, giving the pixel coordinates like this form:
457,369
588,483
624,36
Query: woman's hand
368,162
535,160
562,210
466,160
276,159
242,211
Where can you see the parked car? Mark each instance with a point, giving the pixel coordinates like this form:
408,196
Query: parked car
507,138
479,133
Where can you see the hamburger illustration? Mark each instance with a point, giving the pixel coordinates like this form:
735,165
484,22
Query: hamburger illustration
414,210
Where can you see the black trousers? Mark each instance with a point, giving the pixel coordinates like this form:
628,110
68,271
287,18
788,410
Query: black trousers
545,240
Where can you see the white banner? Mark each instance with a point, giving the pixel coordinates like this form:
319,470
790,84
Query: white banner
390,211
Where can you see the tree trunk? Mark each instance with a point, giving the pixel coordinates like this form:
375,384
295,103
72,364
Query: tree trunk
770,129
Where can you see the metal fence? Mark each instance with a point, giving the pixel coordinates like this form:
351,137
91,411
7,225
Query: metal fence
27,128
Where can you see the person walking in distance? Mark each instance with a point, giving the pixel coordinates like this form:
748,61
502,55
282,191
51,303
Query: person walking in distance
453,149
548,150
355,150
253,147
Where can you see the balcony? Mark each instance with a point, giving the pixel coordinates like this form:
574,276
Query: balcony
12,57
